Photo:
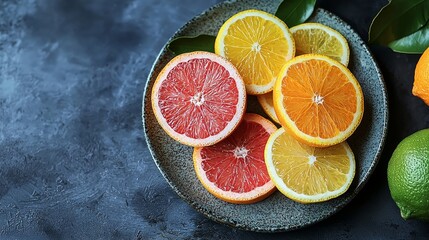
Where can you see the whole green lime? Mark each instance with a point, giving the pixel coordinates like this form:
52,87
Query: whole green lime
408,176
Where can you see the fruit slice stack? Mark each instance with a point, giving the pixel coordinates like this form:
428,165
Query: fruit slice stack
319,103
199,99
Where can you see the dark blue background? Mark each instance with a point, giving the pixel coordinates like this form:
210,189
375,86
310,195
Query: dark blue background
73,160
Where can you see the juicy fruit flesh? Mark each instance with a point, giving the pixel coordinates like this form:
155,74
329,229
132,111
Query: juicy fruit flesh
408,176
252,45
318,41
317,92
308,170
198,98
237,163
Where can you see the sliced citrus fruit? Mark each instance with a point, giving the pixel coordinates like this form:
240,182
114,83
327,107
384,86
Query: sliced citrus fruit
234,169
308,174
258,44
320,39
318,100
266,102
199,98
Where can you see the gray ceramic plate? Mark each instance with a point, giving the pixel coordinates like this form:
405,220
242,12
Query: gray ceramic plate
276,213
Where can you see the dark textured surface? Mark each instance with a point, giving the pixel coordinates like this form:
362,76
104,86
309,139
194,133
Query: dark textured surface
74,162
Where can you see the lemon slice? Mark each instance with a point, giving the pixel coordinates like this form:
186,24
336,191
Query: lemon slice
258,44
320,39
266,102
307,174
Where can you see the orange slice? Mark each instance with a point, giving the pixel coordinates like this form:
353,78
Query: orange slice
308,174
234,169
258,44
198,98
318,100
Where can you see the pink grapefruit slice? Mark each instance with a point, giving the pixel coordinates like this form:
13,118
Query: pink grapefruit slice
199,98
234,169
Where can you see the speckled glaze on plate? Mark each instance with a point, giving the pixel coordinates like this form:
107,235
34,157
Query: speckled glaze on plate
276,213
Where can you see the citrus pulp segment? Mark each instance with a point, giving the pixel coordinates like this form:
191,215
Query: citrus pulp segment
234,169
258,44
266,102
318,100
198,98
308,174
320,39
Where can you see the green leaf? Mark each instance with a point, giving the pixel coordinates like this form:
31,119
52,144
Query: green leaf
415,43
294,12
398,19
186,44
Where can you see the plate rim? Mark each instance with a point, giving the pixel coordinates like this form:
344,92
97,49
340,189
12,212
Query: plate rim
341,205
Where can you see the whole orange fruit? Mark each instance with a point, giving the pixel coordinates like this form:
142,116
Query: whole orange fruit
421,78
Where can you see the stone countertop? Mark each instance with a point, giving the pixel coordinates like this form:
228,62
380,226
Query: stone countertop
74,161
